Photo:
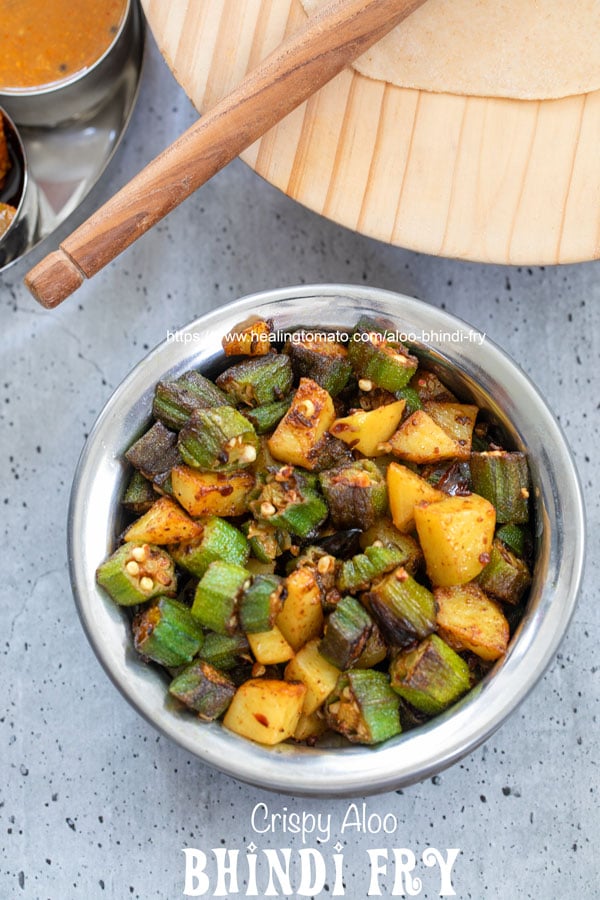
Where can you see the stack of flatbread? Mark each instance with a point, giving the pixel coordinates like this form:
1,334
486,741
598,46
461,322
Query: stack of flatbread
519,49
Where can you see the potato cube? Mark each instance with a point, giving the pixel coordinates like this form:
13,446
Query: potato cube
212,493
457,420
310,727
306,421
301,618
270,647
456,536
421,440
468,620
265,710
366,430
405,490
164,523
313,670
249,340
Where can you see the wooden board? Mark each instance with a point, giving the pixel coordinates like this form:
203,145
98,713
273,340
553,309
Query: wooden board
504,181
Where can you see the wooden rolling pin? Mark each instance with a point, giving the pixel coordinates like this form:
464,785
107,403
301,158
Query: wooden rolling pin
311,57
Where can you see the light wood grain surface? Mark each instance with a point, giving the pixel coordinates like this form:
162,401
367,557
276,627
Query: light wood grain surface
506,181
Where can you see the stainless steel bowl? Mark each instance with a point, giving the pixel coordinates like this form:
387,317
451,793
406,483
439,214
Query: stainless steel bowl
19,190
482,373
81,95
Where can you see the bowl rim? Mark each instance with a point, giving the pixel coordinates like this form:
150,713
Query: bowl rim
415,755
26,176
52,87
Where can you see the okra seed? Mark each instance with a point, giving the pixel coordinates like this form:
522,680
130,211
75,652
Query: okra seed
146,583
377,544
365,384
267,509
248,453
132,568
139,553
401,574
325,565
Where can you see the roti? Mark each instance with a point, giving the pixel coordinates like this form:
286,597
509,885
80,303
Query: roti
519,49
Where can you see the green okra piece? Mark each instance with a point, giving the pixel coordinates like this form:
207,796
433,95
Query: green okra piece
431,676
264,418
374,652
218,440
357,573
515,537
175,401
225,651
506,577
347,631
386,363
356,494
139,494
155,452
403,608
429,387
216,599
260,604
502,477
363,707
219,540
330,451
203,689
266,542
166,632
254,382
325,361
383,532
288,501
136,572
411,396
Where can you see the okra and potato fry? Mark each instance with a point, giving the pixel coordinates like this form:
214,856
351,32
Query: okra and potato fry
345,538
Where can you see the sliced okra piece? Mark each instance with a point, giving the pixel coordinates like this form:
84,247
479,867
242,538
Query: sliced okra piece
325,361
356,494
204,689
411,397
347,631
287,500
136,572
356,574
225,651
431,676
403,608
175,401
167,633
454,477
139,494
328,452
219,540
255,382
363,707
261,603
384,533
385,363
515,537
216,599
155,453
218,440
374,652
506,577
502,477
266,542
265,417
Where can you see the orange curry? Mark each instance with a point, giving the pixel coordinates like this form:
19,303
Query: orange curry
48,41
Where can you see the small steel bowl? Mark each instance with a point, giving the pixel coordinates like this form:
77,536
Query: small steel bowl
20,191
479,372
81,95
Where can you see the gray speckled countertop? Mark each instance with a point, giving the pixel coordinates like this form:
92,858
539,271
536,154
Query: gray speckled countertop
93,802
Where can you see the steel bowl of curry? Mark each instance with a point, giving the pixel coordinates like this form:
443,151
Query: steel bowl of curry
62,59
